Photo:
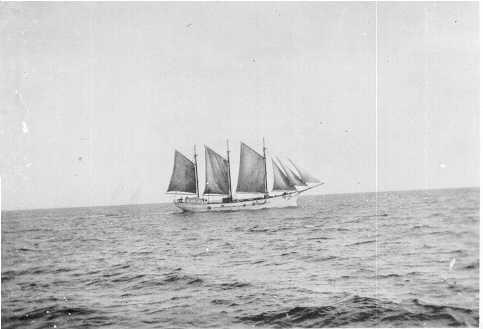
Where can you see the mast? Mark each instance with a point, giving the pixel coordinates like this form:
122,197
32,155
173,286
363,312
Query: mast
265,166
229,172
196,173
251,171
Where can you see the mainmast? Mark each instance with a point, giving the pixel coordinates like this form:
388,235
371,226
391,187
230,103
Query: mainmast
265,166
229,172
196,173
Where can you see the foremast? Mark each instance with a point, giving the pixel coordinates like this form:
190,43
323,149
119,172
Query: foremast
184,177
265,167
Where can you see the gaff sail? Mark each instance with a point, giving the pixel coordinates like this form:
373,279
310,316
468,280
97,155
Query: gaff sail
280,180
252,171
217,178
183,178
304,175
292,177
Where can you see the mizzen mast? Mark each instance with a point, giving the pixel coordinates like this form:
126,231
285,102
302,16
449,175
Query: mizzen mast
196,172
265,166
230,193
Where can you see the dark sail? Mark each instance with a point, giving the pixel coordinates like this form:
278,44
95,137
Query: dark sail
292,177
304,175
216,173
251,174
183,178
280,180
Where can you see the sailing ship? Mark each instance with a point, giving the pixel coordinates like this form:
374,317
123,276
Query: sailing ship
288,183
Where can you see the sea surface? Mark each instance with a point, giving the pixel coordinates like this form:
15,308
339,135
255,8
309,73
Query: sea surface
360,260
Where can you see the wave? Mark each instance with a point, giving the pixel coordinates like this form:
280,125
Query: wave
28,230
447,232
87,316
472,266
176,277
342,229
113,215
319,238
171,281
223,302
143,281
87,216
258,261
323,259
26,249
7,275
255,229
361,242
120,266
386,276
394,275
421,226
128,278
359,311
233,285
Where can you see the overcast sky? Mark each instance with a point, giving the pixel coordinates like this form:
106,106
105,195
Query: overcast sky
95,97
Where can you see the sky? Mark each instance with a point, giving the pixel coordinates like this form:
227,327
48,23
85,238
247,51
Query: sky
95,97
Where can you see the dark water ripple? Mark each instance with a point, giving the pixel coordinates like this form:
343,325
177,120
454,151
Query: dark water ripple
366,312
403,259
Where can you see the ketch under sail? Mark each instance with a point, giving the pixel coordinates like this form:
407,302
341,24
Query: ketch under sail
217,173
183,178
280,180
252,172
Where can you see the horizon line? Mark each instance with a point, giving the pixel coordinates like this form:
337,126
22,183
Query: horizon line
167,202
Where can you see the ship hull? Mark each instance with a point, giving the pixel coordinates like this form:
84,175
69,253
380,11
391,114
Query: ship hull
282,201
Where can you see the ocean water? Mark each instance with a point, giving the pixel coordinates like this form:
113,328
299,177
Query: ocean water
393,259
